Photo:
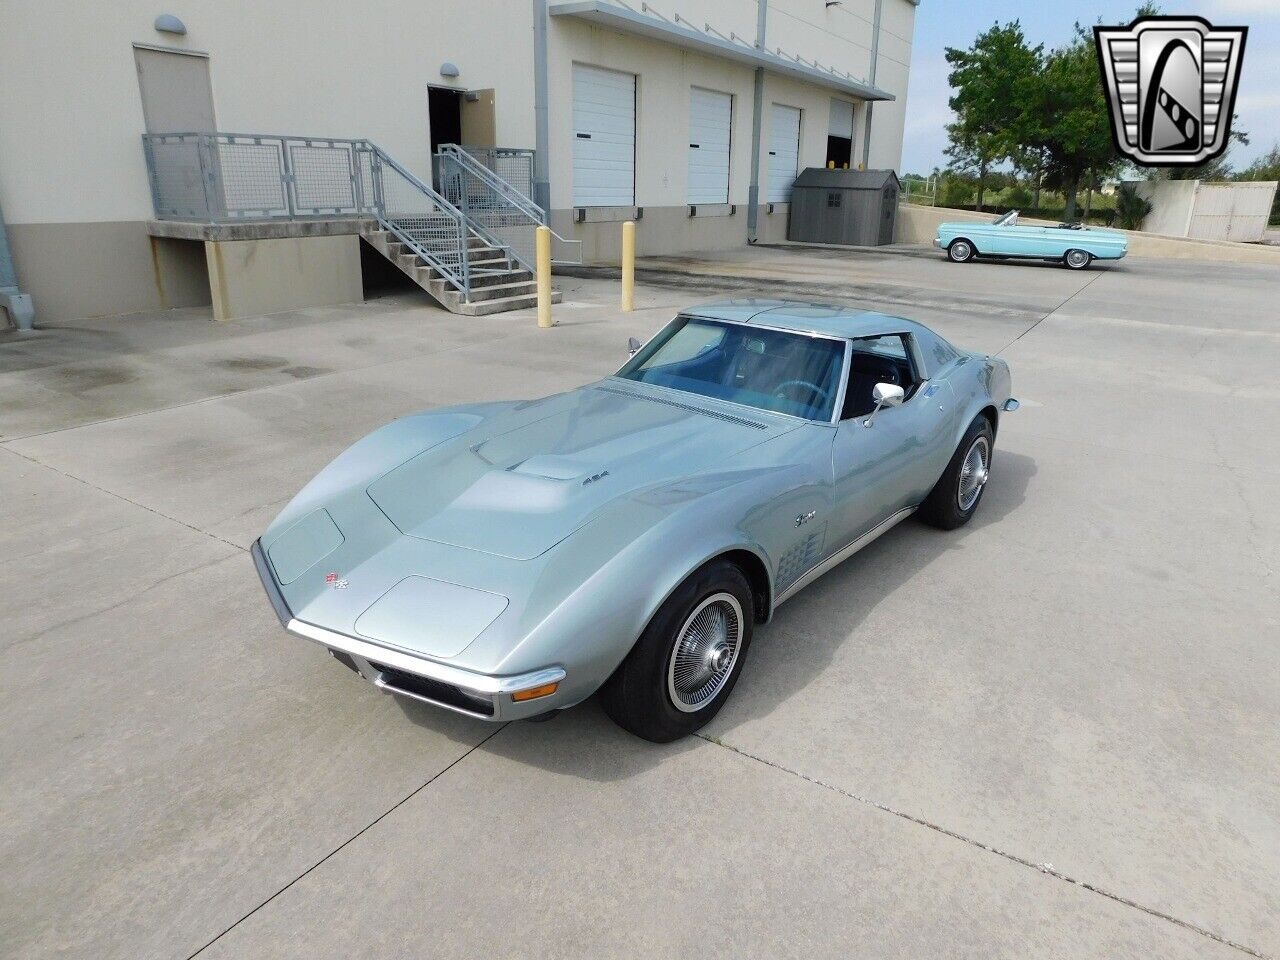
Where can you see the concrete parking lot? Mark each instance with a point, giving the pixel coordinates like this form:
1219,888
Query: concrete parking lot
1053,732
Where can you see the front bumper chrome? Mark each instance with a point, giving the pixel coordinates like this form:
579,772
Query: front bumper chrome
479,695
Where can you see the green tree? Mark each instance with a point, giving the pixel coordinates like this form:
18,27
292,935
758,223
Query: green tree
1069,118
1131,209
986,80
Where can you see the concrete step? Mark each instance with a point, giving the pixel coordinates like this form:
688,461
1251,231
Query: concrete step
429,274
496,285
498,291
481,308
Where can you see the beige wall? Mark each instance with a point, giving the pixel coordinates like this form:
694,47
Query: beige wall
85,269
72,115
665,74
73,182
250,278
670,230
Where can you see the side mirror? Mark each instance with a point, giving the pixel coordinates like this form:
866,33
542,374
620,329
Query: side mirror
885,395
633,346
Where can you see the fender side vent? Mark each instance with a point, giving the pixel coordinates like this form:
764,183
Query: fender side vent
716,414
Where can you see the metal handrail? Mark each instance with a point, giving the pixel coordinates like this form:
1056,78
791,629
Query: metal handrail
217,177
459,277
520,202
509,193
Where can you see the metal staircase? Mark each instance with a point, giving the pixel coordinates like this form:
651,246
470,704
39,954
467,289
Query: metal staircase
470,245
494,282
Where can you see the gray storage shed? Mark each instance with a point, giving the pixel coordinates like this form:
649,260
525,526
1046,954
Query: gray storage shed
853,207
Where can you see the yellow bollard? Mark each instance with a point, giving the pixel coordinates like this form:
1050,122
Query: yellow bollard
544,277
628,266
831,164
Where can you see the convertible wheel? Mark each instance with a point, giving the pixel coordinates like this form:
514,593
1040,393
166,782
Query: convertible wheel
957,494
1077,259
961,251
683,667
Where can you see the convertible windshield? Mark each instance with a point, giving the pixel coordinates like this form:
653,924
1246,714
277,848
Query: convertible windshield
790,373
1009,219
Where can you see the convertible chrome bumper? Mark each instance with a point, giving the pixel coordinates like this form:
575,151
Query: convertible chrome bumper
477,695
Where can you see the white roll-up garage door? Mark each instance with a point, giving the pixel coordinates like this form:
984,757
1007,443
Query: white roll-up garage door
784,152
604,137
710,127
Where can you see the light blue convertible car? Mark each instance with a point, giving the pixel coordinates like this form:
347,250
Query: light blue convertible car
1072,244
507,560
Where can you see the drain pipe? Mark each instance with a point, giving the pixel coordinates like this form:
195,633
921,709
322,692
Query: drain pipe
541,121
21,312
875,59
757,118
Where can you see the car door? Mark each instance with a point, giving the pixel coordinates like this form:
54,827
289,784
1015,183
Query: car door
886,462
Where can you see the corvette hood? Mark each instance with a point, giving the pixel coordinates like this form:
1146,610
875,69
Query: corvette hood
534,475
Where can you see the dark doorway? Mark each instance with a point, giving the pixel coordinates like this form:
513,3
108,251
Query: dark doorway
839,151
444,109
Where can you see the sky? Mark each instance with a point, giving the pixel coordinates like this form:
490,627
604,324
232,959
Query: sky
955,23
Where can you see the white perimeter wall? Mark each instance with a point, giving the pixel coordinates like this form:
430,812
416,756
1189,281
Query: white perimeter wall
1208,211
71,114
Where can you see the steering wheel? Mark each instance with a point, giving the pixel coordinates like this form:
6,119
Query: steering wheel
817,391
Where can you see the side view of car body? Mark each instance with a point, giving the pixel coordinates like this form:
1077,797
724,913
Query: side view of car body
1073,245
507,560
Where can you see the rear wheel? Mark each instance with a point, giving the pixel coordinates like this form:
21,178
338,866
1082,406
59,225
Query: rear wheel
961,251
1077,259
685,664
956,496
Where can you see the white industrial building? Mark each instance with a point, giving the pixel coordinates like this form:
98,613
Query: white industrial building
691,117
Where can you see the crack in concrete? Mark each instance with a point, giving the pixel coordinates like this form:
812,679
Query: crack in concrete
1046,868
120,497
1082,289
70,621
355,836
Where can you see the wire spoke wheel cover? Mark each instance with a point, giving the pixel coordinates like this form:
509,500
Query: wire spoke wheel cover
1077,259
960,251
973,473
705,652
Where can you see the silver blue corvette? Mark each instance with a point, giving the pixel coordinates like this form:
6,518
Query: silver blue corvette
508,560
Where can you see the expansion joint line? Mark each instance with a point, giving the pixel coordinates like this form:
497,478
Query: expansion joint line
355,836
1045,868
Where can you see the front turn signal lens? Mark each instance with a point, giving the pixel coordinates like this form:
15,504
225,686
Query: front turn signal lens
533,693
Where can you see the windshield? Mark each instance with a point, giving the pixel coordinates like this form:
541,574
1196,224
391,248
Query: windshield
790,373
1009,219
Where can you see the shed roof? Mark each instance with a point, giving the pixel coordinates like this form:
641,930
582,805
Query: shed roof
846,179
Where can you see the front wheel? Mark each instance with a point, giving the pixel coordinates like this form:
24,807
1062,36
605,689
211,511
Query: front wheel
955,497
961,251
687,661
1077,259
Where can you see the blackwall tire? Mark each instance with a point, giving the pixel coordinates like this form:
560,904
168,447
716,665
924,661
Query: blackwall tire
688,660
955,497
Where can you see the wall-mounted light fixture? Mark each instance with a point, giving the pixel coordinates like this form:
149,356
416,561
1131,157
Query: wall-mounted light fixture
168,23
448,69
